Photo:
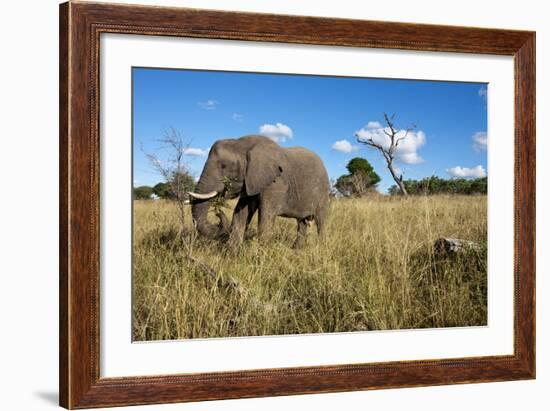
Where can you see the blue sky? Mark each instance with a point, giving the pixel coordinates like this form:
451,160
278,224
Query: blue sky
317,112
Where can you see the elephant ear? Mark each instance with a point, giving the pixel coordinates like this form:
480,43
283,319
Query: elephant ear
265,162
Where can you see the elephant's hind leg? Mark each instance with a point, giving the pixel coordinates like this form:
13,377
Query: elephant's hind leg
320,220
302,228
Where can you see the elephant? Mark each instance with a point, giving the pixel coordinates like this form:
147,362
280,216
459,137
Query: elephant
265,177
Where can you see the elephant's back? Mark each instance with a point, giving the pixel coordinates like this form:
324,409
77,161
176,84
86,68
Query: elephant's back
305,153
307,160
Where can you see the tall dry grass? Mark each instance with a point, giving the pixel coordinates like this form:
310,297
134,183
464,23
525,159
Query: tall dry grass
375,270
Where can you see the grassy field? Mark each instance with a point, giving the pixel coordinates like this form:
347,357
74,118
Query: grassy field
375,270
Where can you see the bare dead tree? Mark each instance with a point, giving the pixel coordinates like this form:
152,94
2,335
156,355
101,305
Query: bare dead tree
395,137
173,169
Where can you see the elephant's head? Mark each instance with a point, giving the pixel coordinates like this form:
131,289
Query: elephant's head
241,167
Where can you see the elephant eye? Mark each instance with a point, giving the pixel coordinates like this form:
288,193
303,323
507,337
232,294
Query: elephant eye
223,166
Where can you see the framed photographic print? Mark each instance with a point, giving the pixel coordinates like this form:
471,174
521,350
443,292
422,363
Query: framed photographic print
257,205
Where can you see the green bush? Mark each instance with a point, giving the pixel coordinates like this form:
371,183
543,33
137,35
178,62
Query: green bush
143,193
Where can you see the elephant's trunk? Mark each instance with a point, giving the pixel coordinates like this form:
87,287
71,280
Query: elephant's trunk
199,210
201,200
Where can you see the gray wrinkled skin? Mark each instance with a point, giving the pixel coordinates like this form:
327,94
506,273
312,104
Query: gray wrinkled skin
275,181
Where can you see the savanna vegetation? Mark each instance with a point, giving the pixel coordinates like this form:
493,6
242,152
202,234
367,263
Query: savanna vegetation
362,180
376,269
437,185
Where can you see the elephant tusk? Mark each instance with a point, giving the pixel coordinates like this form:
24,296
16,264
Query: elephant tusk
203,196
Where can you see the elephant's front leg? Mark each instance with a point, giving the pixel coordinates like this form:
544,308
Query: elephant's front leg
243,213
253,205
271,203
266,218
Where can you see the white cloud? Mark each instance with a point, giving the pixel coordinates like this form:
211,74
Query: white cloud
480,140
237,117
406,151
465,172
373,124
344,146
277,132
195,152
208,104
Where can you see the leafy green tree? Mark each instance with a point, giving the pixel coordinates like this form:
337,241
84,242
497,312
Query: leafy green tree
360,165
179,182
162,190
143,193
361,179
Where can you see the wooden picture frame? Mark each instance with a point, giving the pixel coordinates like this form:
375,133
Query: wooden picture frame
80,27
